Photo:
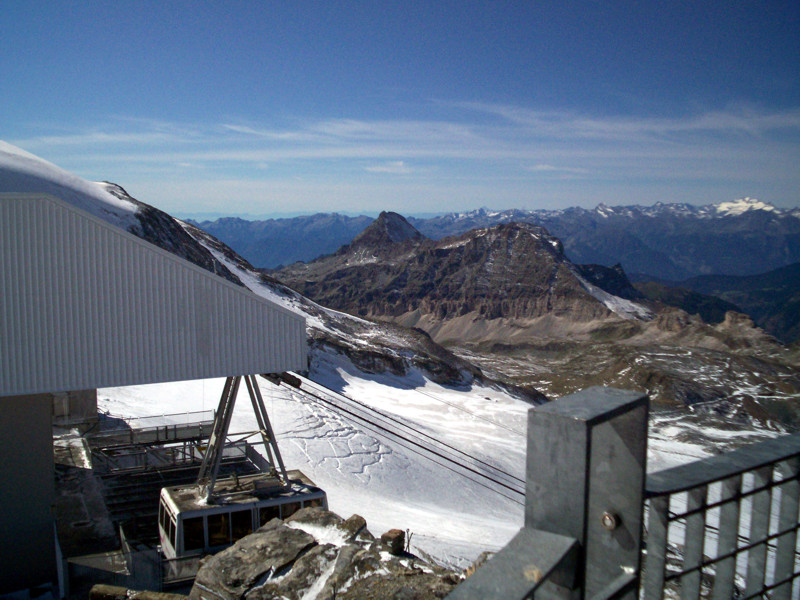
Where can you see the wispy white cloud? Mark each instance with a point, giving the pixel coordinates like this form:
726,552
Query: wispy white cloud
519,132
394,167
568,125
97,138
499,149
546,168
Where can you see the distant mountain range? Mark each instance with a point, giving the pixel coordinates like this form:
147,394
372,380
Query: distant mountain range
530,317
276,242
663,241
669,241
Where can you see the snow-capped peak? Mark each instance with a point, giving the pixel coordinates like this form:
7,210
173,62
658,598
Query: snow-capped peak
741,206
603,210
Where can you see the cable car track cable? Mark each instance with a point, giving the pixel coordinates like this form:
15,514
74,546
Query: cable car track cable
415,433
417,447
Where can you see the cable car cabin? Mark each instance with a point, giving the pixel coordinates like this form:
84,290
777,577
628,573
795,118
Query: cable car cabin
188,525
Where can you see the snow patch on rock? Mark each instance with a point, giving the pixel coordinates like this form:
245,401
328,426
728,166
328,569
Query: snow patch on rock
620,306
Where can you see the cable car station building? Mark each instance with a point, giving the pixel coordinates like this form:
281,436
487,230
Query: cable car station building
86,305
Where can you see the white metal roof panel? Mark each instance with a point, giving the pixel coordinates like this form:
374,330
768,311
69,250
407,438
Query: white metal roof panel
84,304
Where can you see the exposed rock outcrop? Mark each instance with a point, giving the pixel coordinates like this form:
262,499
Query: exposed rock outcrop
317,554
514,272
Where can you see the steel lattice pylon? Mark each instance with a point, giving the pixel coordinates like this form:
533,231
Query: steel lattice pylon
209,468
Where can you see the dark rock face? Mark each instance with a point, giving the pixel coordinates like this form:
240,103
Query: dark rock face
611,279
158,228
316,553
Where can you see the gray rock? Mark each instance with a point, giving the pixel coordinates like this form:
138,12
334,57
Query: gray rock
316,516
231,573
356,527
305,573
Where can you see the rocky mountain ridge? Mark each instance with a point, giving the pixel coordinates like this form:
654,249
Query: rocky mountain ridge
510,283
669,241
509,271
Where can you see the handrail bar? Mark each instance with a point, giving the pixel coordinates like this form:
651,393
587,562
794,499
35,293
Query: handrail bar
772,586
717,468
674,516
525,563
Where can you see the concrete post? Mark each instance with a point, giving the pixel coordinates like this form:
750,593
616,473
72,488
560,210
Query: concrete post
585,480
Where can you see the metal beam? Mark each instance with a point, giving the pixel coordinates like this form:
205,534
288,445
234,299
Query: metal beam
209,469
265,428
523,565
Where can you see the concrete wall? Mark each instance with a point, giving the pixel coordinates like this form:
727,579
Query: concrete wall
75,407
27,492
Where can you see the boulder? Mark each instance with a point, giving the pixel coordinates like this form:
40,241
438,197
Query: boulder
266,553
395,540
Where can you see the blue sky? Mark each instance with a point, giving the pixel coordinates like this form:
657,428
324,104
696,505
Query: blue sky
285,107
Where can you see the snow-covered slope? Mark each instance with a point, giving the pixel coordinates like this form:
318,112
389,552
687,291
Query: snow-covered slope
21,171
742,205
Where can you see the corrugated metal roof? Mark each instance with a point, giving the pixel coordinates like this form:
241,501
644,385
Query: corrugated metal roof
84,304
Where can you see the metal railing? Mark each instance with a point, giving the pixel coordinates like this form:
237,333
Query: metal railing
156,434
726,526
583,504
723,527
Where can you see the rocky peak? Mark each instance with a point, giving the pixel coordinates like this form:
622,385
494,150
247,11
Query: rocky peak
523,239
512,271
388,229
